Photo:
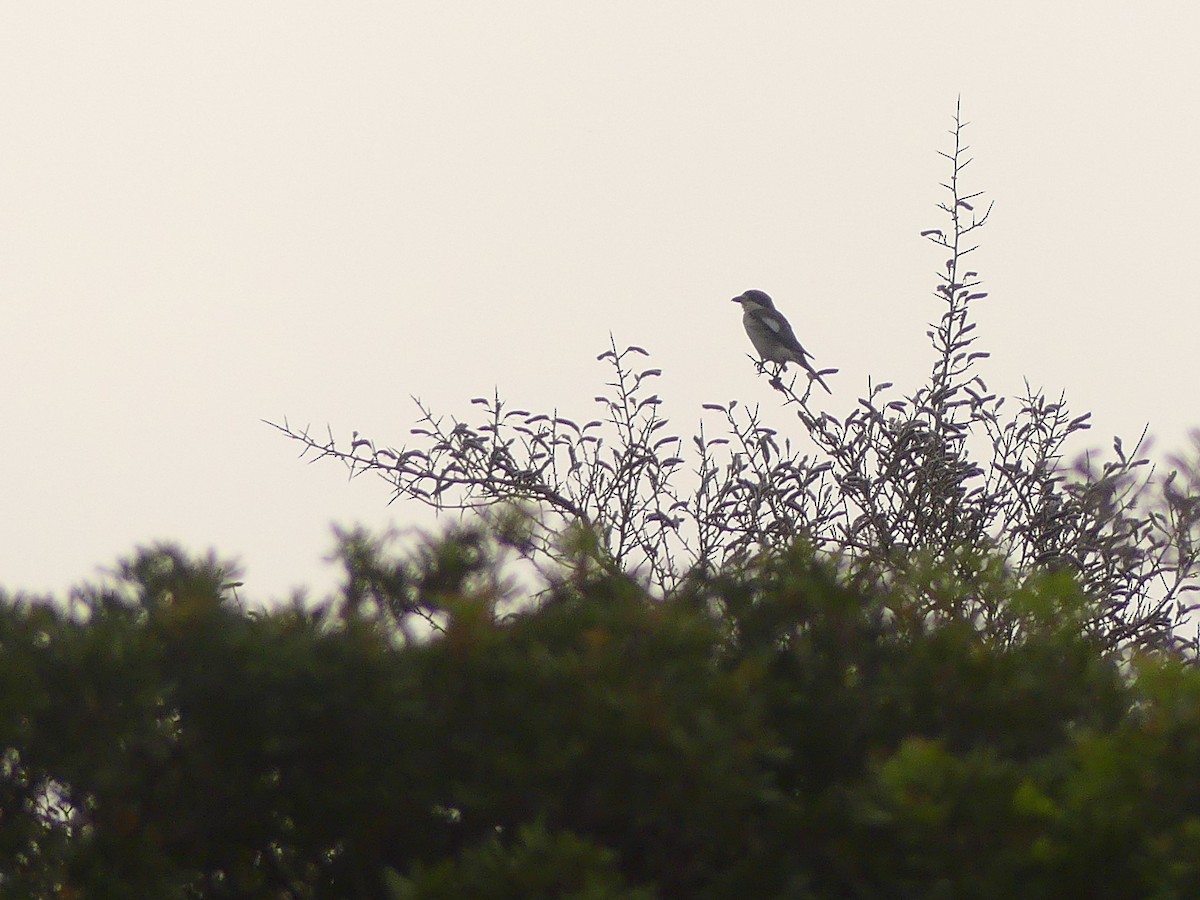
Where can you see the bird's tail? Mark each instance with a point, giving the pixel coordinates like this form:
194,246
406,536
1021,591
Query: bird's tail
813,374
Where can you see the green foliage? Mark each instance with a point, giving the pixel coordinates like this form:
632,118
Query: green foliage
538,866
771,730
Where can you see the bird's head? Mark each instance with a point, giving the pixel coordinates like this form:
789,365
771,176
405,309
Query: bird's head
754,300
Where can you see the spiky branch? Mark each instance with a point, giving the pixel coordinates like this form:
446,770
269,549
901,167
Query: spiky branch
939,480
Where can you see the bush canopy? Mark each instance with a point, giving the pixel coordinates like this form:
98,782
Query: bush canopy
763,732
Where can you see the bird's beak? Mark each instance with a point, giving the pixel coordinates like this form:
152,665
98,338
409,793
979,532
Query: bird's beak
737,299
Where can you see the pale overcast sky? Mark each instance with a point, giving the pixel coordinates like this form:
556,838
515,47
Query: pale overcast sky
214,213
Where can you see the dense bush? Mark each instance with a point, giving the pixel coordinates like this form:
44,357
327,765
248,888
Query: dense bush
764,732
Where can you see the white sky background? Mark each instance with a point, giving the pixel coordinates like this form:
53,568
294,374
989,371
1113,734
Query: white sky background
216,213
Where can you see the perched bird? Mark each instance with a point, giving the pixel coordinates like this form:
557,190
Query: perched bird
771,334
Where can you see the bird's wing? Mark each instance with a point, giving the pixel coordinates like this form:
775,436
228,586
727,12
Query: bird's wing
782,329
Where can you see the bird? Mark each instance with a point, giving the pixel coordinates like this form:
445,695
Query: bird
771,334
